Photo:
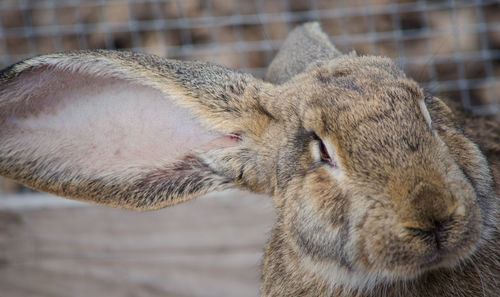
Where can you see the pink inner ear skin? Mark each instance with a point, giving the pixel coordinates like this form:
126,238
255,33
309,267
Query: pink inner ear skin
103,126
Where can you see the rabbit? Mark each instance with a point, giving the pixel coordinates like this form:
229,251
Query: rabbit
378,189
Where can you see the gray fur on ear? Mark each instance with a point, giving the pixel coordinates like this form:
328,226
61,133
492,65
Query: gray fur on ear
304,45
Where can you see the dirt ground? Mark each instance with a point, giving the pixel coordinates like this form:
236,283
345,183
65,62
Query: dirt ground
212,246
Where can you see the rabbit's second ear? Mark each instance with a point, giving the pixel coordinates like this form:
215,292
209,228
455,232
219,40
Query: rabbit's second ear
120,129
304,45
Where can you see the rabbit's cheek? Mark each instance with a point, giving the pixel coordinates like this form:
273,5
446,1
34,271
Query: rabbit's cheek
318,240
386,252
474,168
319,221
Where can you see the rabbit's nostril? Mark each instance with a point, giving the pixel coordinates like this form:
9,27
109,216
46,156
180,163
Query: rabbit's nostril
434,233
428,235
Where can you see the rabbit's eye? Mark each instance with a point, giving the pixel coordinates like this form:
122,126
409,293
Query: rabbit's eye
324,155
323,152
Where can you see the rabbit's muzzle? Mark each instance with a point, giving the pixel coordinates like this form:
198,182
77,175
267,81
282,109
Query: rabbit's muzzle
430,213
433,226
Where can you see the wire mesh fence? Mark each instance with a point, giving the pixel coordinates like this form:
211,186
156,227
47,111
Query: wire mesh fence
451,47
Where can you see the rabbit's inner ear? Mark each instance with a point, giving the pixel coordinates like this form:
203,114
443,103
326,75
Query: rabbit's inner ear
100,125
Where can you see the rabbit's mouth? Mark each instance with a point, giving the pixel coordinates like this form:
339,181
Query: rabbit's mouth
437,259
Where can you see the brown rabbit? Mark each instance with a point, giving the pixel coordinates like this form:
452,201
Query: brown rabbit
377,188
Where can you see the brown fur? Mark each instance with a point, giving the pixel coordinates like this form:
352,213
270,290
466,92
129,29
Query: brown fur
382,142
405,206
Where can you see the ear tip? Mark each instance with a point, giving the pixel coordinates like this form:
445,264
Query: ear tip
313,25
9,71
311,28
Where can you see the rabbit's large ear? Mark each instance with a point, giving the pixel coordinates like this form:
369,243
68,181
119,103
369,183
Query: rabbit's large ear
304,45
124,129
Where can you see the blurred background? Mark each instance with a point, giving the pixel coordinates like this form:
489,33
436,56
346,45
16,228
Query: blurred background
55,247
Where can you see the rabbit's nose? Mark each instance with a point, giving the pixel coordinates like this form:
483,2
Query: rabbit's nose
428,210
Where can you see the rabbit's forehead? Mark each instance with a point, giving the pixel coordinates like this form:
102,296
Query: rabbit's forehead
367,81
372,120
361,69
382,142
348,102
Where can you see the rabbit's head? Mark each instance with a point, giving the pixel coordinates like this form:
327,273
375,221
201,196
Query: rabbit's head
371,178
375,181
